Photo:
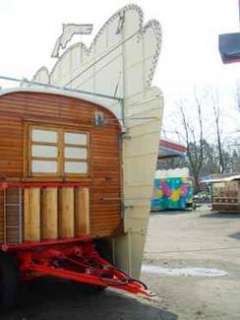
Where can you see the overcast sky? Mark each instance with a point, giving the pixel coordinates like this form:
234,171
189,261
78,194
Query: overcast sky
189,55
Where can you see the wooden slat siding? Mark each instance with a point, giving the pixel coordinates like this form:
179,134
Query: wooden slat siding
12,215
1,216
50,109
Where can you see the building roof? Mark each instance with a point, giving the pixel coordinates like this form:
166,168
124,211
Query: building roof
170,149
221,178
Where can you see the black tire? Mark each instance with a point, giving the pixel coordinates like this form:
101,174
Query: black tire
9,279
99,289
91,289
194,206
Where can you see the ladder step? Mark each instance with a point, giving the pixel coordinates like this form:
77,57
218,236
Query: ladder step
12,227
13,215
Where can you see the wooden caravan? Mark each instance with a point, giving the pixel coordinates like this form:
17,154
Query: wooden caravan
60,192
226,194
68,172
60,168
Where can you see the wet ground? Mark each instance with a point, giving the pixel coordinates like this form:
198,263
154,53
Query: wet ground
196,261
192,263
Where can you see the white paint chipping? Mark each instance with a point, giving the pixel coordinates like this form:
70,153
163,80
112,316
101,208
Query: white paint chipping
190,271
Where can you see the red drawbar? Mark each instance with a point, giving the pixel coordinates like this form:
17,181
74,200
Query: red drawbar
75,260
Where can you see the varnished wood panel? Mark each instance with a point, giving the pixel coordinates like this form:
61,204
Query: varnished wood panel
1,216
66,213
49,214
32,206
104,179
82,212
13,211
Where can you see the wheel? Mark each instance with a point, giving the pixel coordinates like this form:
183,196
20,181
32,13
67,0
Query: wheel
91,289
98,289
9,278
194,206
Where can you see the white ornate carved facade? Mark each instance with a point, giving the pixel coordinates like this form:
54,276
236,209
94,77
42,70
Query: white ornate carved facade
121,62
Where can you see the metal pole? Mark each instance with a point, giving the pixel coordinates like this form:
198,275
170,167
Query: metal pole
239,12
100,95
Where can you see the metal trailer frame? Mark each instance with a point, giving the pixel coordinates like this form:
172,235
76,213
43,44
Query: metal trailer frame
72,259
76,260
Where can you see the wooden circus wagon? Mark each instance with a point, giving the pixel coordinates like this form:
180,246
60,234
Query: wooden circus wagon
78,151
226,194
60,188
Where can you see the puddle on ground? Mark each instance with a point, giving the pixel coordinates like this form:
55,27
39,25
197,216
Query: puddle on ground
190,271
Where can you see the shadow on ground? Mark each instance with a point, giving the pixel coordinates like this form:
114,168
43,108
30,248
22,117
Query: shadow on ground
235,235
221,215
50,299
171,212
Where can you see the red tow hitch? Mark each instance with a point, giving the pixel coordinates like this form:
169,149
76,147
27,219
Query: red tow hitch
78,262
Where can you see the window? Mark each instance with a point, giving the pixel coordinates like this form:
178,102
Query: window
75,153
57,152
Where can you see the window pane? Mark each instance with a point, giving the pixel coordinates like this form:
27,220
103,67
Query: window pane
75,153
75,138
76,167
39,135
42,166
44,151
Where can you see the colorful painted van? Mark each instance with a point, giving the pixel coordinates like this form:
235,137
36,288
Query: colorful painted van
171,191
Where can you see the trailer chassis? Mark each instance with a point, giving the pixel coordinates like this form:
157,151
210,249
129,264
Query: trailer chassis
76,260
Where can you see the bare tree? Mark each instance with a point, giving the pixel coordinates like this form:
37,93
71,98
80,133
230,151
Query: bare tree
200,127
193,137
217,118
237,95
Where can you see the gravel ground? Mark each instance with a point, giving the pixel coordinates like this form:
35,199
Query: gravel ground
176,240
199,239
